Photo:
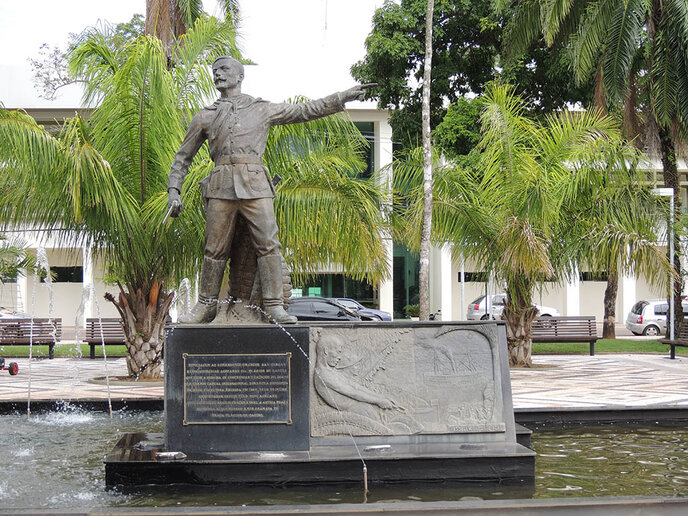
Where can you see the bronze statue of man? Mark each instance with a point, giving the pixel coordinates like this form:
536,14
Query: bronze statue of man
236,127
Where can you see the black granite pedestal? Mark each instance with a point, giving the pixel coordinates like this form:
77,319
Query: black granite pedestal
134,462
236,389
244,405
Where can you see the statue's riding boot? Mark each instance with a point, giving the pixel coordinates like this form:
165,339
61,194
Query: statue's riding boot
270,270
211,280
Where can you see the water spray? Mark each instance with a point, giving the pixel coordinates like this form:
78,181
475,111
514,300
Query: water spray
102,341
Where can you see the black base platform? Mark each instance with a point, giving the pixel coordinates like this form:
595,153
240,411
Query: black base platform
135,461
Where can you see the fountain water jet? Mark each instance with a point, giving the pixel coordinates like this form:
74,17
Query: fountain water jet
41,264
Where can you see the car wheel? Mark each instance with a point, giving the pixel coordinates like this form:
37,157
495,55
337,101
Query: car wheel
651,331
484,318
14,368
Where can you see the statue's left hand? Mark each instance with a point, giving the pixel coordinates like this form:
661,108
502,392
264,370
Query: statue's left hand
174,203
357,92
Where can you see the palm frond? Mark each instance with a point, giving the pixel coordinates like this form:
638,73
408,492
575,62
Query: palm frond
93,60
668,82
206,40
553,16
231,10
189,10
588,42
135,125
324,214
623,41
523,30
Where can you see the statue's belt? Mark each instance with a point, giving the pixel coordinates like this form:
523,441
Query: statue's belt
239,159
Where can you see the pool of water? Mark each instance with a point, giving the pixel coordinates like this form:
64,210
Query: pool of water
611,460
56,460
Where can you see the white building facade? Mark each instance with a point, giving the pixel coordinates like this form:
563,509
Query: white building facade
78,273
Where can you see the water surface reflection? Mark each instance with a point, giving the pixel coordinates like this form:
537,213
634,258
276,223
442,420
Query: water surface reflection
55,460
611,460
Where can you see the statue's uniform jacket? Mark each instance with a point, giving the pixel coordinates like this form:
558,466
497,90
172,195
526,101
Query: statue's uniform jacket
237,131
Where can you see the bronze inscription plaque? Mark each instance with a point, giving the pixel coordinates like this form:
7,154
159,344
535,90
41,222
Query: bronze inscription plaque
237,389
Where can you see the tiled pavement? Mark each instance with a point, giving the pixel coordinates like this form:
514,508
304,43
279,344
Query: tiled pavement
611,381
73,379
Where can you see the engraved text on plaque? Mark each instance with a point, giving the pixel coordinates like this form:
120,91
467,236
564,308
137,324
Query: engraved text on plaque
237,389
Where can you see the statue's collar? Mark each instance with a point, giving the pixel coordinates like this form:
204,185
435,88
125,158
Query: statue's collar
239,101
233,98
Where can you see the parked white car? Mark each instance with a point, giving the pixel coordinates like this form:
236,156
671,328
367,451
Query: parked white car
477,310
649,317
9,313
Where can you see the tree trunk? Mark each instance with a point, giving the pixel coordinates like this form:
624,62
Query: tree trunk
143,318
426,230
671,180
609,325
164,21
519,335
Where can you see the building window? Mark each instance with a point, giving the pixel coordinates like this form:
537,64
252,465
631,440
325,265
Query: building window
474,277
594,276
337,285
66,274
367,129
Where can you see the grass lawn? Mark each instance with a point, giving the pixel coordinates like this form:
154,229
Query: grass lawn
604,346
62,349
69,349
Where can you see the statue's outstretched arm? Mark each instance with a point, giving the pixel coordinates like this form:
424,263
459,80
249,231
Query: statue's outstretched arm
284,113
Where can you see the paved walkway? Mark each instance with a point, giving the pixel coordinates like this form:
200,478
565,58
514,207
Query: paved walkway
73,379
611,381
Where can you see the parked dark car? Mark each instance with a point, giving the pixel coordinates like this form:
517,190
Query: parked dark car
375,315
322,309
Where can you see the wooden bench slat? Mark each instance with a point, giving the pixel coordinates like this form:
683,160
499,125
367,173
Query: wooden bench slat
23,331
100,331
681,341
565,329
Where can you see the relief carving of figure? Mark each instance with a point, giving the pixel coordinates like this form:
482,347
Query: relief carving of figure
357,405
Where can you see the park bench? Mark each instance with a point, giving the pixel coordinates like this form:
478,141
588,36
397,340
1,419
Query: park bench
566,329
24,331
681,341
112,333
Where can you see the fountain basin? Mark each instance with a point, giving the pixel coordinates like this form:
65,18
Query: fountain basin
134,461
55,460
321,403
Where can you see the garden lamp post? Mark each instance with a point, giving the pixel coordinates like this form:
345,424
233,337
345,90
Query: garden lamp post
669,192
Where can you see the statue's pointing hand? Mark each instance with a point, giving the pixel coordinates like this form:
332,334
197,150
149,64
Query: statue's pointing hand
174,202
357,92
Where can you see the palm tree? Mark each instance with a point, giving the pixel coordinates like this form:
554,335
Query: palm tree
102,181
607,39
520,211
168,20
618,216
325,214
